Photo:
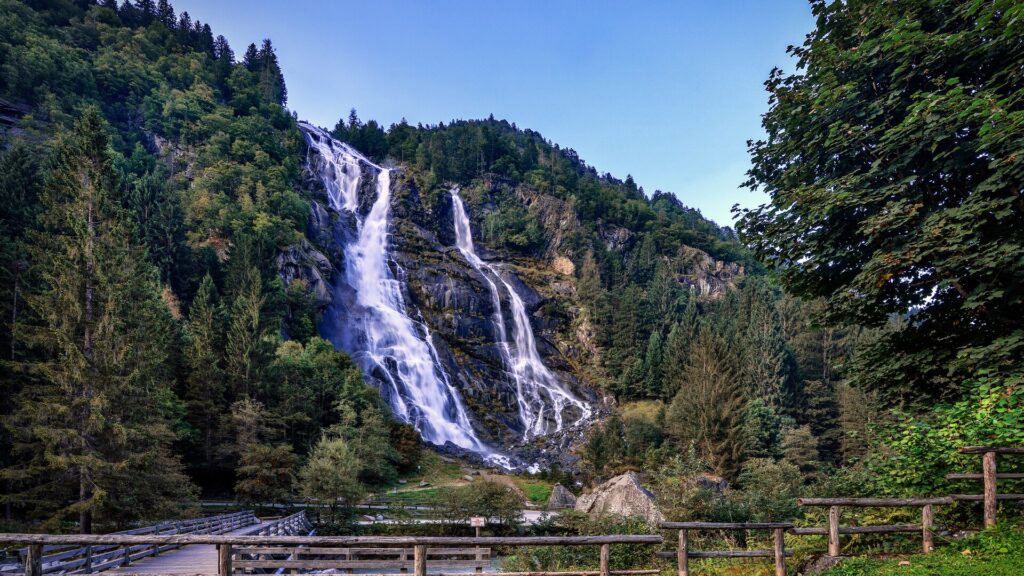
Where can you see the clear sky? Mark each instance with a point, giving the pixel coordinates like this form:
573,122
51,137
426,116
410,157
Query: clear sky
666,91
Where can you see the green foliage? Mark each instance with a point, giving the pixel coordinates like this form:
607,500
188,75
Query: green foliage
266,474
565,558
331,475
708,410
93,425
454,505
913,454
769,490
998,553
892,163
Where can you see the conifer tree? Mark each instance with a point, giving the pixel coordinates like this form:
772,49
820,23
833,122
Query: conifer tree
165,14
271,80
205,392
94,427
708,411
244,346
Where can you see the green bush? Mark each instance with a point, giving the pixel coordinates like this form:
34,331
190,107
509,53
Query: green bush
554,558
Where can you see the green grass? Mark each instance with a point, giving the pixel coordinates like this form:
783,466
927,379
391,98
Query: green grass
989,554
537,491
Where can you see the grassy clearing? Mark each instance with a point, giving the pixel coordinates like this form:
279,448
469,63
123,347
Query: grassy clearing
537,491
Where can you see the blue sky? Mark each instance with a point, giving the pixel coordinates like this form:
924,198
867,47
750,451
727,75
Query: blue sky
666,91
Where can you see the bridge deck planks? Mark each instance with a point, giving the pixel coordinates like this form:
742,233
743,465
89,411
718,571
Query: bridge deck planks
191,559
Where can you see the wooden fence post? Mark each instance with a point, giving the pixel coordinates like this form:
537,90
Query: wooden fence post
988,466
87,567
34,560
604,560
683,554
833,531
419,555
927,519
224,567
780,551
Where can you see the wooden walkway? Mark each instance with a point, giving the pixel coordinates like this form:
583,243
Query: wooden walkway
192,559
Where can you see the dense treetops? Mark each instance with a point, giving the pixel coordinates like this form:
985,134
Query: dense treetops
893,165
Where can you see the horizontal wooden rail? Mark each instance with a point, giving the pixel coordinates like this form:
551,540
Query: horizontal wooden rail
683,552
93,539
725,554
993,449
999,476
834,530
873,502
981,497
725,525
883,529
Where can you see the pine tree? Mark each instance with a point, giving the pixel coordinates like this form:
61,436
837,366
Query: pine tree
271,80
165,14
652,366
19,203
251,60
244,346
94,427
184,28
708,411
146,11
766,360
205,393
676,353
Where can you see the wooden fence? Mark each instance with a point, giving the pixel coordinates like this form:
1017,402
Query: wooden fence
683,552
835,505
989,476
66,557
421,546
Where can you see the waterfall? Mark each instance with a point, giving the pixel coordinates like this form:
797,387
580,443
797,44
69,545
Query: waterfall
368,317
539,394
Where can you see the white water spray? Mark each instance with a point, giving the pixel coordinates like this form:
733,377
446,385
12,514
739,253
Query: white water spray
539,394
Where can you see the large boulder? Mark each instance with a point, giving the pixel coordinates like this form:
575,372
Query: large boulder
623,495
561,498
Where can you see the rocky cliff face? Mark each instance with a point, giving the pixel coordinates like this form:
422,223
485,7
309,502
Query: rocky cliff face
451,298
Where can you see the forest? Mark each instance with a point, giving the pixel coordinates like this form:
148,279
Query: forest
153,354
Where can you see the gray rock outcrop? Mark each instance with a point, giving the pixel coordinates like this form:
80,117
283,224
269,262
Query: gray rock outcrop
561,498
623,495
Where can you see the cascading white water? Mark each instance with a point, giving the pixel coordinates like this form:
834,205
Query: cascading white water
379,333
537,389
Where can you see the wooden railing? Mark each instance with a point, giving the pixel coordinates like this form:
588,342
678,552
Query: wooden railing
296,524
421,546
835,505
66,557
989,475
683,552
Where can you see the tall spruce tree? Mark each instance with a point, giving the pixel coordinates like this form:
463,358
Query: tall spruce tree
94,428
708,410
205,392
